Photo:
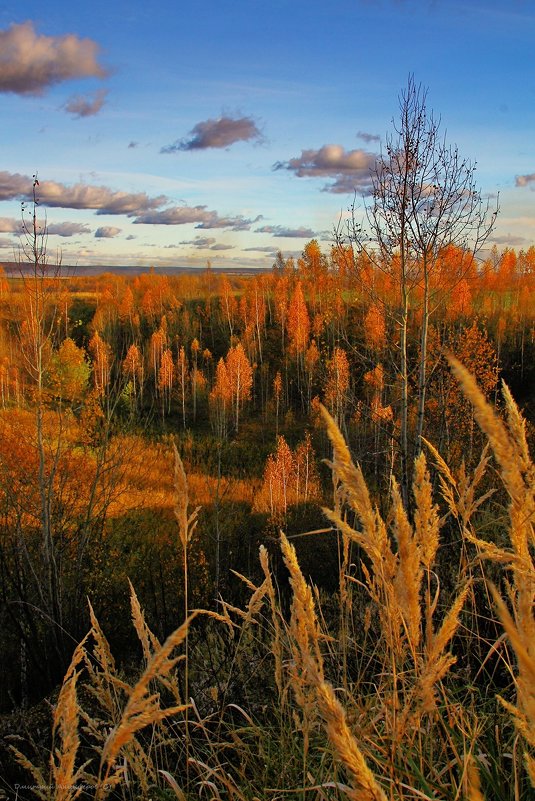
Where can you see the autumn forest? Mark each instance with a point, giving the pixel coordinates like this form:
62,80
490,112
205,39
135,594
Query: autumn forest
294,511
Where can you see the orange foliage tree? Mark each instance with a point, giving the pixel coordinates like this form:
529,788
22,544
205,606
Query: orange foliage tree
290,477
101,355
68,372
166,375
471,345
182,376
220,400
133,369
337,385
240,378
298,321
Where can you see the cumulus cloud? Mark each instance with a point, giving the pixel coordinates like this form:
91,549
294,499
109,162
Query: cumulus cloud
205,219
510,240
290,233
219,133
80,106
525,180
144,209
14,186
350,169
30,63
100,198
178,215
107,232
206,243
8,225
67,229
200,242
267,249
368,137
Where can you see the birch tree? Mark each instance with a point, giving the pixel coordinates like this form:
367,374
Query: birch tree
424,198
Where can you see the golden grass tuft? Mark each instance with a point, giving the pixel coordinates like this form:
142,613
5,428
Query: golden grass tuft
509,446
143,707
398,709
65,726
396,577
426,519
408,579
312,690
364,784
186,522
276,639
473,781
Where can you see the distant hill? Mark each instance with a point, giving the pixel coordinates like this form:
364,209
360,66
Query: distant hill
13,268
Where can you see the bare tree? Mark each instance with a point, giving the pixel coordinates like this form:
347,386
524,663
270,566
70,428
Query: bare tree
424,198
50,516
40,289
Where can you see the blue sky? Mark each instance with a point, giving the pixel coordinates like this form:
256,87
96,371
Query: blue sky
181,132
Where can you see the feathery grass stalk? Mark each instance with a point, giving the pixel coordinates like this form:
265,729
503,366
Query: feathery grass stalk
364,784
276,643
150,643
143,707
509,446
187,524
308,675
473,781
409,572
64,777
415,660
65,724
304,644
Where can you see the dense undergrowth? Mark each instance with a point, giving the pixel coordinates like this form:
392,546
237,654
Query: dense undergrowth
414,679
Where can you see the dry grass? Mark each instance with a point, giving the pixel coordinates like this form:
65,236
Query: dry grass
415,653
122,712
510,449
363,702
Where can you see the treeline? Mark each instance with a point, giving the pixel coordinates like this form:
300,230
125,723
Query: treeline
311,328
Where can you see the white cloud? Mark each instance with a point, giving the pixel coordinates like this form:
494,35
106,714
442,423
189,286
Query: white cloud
80,106
184,215
107,232
31,63
350,169
525,180
14,186
8,225
67,229
200,242
219,133
290,233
